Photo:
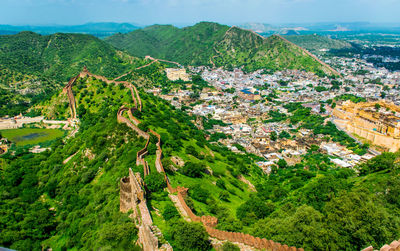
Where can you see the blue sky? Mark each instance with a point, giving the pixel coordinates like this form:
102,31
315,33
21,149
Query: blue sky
191,11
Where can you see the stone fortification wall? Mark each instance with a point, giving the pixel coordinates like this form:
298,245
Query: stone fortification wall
211,222
141,153
146,236
375,137
132,197
394,246
68,90
132,118
85,73
126,121
158,163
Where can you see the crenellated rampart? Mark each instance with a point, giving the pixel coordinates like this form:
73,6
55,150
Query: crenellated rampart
394,246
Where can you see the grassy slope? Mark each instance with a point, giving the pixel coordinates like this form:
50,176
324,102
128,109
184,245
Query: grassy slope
240,47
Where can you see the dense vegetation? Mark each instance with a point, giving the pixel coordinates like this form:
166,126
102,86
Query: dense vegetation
33,67
207,43
75,205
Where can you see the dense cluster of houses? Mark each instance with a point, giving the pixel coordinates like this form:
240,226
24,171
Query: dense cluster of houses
243,102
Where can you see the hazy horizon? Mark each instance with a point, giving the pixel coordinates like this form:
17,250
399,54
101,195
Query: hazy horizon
181,12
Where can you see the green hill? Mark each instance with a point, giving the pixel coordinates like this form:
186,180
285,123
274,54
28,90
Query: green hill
316,43
220,45
59,55
50,202
33,66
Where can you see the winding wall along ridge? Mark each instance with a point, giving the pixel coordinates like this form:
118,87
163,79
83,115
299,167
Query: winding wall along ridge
210,222
84,73
131,193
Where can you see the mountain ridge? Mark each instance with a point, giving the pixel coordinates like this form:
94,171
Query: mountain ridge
231,47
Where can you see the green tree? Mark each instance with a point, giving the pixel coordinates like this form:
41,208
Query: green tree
170,212
229,246
194,170
284,134
355,216
302,227
282,163
155,182
273,136
255,206
189,236
198,193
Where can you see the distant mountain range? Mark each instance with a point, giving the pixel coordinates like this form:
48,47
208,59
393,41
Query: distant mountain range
96,29
320,28
217,45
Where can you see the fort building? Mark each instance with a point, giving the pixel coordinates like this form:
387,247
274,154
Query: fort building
377,122
176,74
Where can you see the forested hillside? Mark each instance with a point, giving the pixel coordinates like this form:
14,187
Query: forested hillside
217,45
68,198
60,55
33,66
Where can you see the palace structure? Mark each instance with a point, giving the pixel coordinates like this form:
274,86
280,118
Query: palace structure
377,122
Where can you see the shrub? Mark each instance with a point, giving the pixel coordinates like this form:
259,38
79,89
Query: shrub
155,182
221,184
228,246
194,170
190,236
198,193
170,212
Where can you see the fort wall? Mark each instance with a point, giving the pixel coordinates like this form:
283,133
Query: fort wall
375,137
132,197
394,246
380,129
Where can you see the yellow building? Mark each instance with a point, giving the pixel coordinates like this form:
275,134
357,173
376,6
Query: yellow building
176,74
374,121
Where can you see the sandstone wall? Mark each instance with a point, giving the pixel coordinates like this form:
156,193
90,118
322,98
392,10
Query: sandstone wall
394,246
132,197
126,121
375,137
147,238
